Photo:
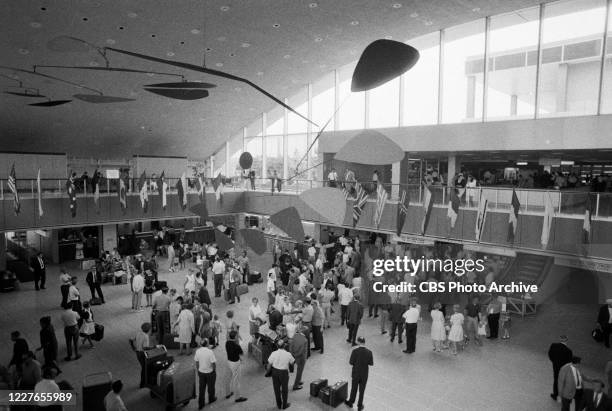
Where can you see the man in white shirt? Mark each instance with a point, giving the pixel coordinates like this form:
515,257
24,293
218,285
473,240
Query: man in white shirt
138,284
218,269
312,254
206,366
271,286
280,360
332,178
112,400
47,386
411,318
345,296
74,297
70,319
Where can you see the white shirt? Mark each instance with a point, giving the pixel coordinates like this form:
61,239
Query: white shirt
577,377
610,311
343,241
44,387
254,312
271,287
205,358
345,295
412,314
312,251
211,251
218,267
280,359
138,283
73,293
332,176
273,272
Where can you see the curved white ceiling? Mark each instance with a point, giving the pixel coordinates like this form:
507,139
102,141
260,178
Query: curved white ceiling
277,44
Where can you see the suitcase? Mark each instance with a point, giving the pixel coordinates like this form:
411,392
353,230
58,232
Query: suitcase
316,386
95,301
179,382
95,388
255,277
156,359
242,289
169,343
334,395
98,332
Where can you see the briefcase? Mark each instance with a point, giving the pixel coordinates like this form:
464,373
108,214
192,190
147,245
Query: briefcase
316,386
334,395
242,289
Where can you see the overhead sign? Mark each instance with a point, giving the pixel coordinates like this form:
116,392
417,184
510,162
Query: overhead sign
112,174
411,239
585,263
490,250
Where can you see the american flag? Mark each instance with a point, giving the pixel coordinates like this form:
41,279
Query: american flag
12,185
381,200
360,201
346,193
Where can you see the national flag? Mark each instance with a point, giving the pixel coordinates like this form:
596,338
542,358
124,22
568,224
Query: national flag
453,206
181,186
513,217
143,186
427,206
549,214
122,193
218,186
200,188
39,194
402,211
163,188
95,185
71,189
381,200
481,215
12,185
588,217
346,193
361,198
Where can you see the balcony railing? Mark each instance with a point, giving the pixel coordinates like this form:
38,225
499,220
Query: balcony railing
499,198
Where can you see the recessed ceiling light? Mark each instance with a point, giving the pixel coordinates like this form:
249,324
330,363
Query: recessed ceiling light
225,8
354,23
476,9
132,15
276,25
397,5
287,56
195,31
219,64
170,54
110,41
318,39
222,38
24,51
35,25
245,45
413,15
260,73
94,64
313,5
237,89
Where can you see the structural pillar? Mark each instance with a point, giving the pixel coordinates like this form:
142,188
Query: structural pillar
2,251
395,179
454,166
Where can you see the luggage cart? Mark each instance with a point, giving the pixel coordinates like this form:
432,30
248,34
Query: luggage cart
176,383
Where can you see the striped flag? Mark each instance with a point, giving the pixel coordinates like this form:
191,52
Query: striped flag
549,214
402,211
453,206
95,183
163,188
39,194
12,185
181,186
381,200
346,193
200,188
588,217
144,191
71,189
427,206
122,193
513,217
218,186
481,215
360,201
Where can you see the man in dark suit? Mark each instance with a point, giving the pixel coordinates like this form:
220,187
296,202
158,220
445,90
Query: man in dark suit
361,360
396,310
596,399
604,320
40,271
559,354
354,313
94,281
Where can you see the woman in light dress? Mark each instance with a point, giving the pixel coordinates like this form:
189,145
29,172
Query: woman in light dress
88,328
171,255
190,281
185,325
287,310
455,336
438,333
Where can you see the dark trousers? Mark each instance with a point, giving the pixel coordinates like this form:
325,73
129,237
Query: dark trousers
50,357
252,183
566,402
233,292
352,332
373,307
493,320
161,318
72,340
218,278
411,332
397,327
280,382
358,382
317,337
40,276
206,379
140,356
343,309
64,289
95,288
607,330
555,391
300,362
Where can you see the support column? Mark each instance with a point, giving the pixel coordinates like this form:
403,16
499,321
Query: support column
227,159
454,166
395,179
2,251
562,88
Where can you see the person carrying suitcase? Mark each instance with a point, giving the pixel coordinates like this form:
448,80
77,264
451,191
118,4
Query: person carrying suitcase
361,360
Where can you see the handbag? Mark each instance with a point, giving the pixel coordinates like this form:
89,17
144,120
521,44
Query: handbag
597,335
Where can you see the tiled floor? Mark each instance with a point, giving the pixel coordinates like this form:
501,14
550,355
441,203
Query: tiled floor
501,375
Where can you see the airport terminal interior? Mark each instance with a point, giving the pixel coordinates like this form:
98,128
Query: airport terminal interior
307,204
